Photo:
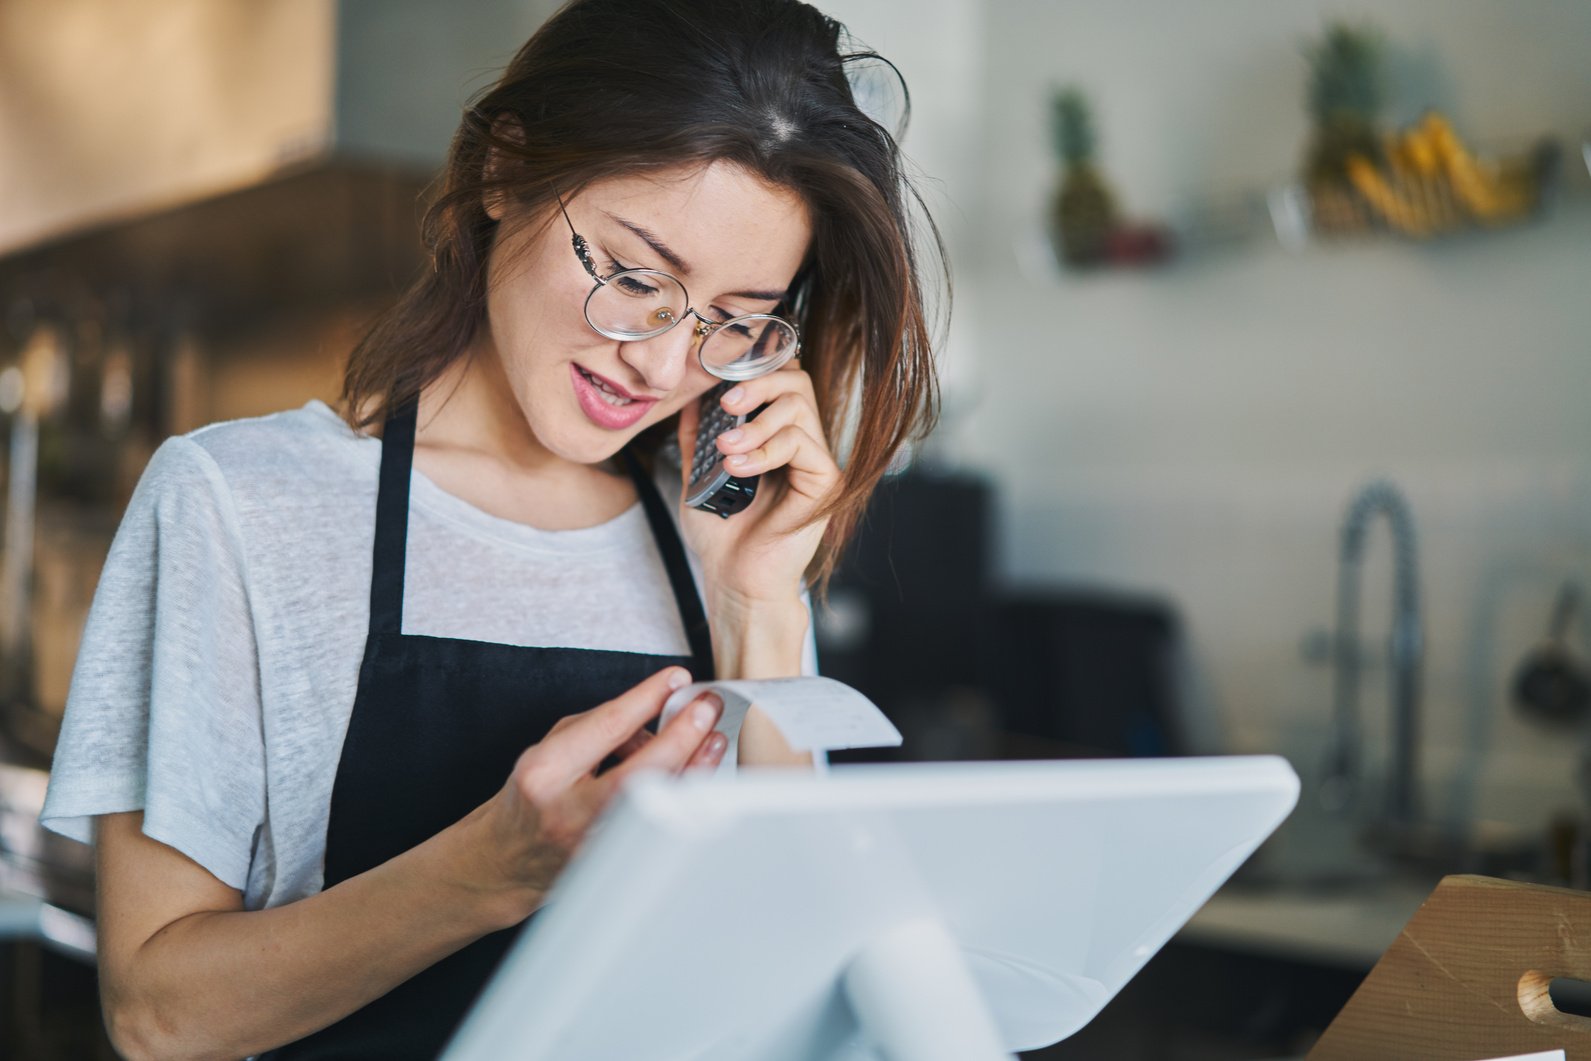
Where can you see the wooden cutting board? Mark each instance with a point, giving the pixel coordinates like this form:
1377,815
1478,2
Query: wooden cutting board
1468,978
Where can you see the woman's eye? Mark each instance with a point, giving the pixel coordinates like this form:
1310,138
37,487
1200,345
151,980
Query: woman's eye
631,285
739,331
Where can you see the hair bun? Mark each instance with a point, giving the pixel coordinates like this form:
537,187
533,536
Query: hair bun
879,90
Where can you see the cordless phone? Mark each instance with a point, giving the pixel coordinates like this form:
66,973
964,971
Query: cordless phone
712,488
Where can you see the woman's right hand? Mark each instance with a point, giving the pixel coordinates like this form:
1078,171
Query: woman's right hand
554,794
184,967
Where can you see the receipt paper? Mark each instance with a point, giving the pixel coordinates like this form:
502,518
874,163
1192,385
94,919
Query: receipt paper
813,714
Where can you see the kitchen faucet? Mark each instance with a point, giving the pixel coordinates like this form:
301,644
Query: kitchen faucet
1339,788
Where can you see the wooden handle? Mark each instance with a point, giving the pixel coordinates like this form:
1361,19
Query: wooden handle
1535,1001
1468,978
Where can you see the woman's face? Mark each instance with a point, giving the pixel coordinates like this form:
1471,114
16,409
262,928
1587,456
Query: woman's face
732,239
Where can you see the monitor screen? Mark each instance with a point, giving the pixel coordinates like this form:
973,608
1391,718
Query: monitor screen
715,917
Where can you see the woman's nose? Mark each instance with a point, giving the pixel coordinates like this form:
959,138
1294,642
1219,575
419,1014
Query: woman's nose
663,360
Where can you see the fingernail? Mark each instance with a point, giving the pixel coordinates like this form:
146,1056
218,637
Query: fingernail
737,460
703,715
716,745
678,678
732,436
734,395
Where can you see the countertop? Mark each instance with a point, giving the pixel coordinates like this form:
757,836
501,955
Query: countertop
1348,927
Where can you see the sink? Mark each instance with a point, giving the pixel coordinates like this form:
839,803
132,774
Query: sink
1318,853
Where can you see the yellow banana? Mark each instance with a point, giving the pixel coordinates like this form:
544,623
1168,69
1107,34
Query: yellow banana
1400,213
1483,194
1420,154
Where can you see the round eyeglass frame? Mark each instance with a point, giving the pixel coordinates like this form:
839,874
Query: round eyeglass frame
704,327
704,330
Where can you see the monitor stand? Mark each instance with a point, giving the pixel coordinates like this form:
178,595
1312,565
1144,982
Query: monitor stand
914,997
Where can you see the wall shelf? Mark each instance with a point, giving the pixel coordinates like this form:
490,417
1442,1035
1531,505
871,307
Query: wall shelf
1282,215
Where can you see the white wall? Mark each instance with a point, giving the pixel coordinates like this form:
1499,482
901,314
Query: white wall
938,47
1196,432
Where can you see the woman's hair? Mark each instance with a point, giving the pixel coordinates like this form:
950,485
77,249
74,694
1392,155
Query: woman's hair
610,88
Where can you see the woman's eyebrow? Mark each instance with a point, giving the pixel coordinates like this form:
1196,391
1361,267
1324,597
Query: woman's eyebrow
663,251
760,296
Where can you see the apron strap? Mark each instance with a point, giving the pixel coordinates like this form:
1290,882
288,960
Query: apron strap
392,522
666,534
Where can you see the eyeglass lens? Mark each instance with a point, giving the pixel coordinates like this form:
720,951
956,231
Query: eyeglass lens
640,303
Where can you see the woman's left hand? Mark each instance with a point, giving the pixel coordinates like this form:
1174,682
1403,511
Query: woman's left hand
758,556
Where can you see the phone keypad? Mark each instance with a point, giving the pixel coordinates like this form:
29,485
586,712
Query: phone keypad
715,421
712,488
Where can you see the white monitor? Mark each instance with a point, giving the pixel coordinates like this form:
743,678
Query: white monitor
907,911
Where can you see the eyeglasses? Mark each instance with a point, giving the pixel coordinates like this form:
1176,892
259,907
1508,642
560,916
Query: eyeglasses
636,304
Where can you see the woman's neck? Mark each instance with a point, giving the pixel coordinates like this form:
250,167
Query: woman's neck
473,441
470,407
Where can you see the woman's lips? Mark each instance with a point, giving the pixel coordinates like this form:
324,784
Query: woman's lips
605,403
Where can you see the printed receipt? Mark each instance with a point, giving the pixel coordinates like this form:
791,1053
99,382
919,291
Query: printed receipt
813,714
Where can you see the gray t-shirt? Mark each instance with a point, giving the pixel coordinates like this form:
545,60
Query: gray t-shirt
220,658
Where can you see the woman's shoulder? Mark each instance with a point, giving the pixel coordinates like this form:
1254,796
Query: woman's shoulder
293,449
312,430
264,471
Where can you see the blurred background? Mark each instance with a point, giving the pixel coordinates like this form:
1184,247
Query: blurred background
1267,411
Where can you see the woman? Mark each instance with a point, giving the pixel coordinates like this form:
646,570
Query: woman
319,823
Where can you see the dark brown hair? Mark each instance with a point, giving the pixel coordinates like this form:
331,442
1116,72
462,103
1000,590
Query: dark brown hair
609,88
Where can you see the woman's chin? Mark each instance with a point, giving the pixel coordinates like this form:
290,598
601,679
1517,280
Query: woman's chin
584,443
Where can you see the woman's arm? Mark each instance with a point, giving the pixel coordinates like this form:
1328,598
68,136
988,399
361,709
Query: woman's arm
186,972
754,563
764,641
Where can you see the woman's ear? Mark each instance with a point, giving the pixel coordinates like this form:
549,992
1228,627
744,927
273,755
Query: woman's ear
495,174
493,201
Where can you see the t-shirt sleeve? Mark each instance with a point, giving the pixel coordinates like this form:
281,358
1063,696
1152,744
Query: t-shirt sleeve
163,713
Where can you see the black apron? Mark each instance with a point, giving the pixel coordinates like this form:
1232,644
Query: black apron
437,726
